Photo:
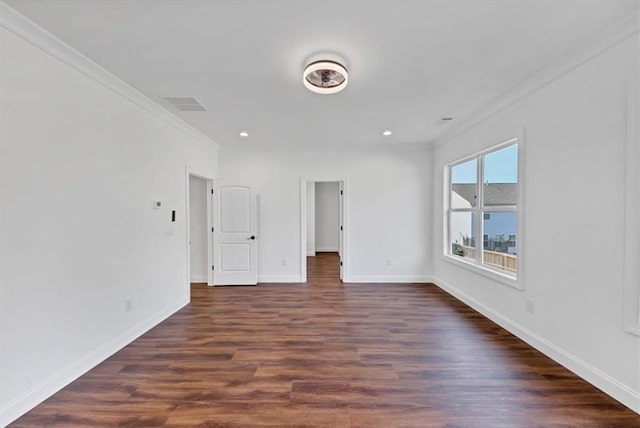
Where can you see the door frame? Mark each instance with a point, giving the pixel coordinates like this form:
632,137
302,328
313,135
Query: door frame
344,222
191,171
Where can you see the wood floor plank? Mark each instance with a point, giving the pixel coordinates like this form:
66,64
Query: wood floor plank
326,354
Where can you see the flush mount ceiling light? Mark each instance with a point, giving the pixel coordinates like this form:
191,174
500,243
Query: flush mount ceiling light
387,133
243,134
325,77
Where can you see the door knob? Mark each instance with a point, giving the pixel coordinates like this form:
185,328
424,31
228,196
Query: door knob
251,238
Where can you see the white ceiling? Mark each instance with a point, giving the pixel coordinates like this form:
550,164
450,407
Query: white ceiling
410,63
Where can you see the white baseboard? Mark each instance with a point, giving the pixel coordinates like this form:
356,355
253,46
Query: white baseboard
45,389
326,250
311,253
199,278
597,378
400,279
279,278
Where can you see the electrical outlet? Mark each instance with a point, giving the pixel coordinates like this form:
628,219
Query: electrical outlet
530,305
284,262
389,262
128,305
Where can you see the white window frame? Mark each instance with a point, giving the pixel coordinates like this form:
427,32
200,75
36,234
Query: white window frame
477,266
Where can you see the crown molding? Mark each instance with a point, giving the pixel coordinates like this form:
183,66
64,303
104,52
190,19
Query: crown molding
355,147
595,46
18,24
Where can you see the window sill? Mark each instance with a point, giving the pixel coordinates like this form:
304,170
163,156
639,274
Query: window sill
486,272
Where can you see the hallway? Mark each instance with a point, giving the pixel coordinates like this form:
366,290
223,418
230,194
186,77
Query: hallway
324,270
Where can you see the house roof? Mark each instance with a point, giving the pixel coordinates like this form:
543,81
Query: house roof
495,194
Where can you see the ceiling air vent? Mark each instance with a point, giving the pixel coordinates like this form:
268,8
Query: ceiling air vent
185,104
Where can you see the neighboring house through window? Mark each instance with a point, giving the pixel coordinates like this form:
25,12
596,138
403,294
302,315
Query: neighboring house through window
483,209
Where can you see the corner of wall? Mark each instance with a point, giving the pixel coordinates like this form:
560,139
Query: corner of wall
43,390
591,374
18,24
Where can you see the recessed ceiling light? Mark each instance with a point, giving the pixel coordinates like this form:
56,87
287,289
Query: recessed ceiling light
325,77
387,133
244,134
447,118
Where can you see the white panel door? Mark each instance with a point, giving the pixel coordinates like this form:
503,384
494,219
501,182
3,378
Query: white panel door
234,235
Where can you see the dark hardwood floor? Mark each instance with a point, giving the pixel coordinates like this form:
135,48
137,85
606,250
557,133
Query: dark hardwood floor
330,355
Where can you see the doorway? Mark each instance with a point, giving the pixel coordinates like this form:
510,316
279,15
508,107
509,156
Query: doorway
199,221
198,230
324,230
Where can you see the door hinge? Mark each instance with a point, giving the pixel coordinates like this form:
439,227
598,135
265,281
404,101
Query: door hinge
341,228
213,267
212,191
340,263
212,229
341,192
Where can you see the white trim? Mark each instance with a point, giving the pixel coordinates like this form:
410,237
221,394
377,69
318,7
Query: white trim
199,278
303,229
327,250
484,271
45,389
311,253
210,240
632,214
520,227
279,279
344,223
192,171
396,279
597,378
593,47
13,21
299,146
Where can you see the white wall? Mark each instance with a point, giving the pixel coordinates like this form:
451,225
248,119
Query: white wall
327,219
388,207
198,225
572,258
80,167
632,215
62,296
311,218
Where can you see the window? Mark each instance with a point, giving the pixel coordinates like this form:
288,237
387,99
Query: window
483,209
